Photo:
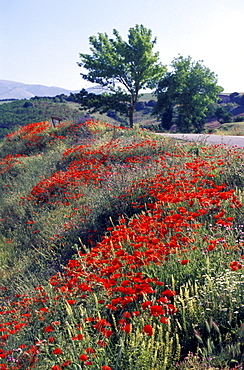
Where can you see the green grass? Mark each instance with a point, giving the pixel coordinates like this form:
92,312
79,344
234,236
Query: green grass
232,128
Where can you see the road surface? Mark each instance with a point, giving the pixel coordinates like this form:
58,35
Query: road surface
209,138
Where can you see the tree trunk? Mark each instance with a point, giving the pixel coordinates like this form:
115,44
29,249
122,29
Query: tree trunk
134,98
131,116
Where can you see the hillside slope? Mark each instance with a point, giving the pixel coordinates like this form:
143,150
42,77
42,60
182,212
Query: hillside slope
19,90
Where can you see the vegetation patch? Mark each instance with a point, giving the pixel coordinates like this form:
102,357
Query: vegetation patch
119,249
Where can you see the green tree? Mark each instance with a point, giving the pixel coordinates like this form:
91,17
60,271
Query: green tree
189,88
223,115
123,68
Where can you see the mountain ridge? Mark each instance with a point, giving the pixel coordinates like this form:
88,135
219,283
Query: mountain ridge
19,90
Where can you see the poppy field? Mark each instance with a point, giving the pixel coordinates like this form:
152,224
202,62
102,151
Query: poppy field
119,250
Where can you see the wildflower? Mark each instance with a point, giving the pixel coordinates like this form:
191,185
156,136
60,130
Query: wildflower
57,351
136,313
66,363
126,315
148,330
55,322
78,337
235,266
44,309
169,293
48,329
56,367
184,262
146,304
127,328
156,310
83,357
105,367
164,320
89,350
107,333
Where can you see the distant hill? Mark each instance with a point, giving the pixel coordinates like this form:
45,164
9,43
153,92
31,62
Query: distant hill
19,90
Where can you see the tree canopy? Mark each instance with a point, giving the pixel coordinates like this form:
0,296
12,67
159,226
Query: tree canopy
184,94
123,68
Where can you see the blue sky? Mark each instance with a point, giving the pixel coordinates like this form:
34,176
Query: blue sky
40,41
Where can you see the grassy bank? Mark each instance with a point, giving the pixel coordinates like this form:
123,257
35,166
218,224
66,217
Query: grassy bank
119,249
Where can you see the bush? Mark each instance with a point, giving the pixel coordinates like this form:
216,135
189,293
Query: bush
238,119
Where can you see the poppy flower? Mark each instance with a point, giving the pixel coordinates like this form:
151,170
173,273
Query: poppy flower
127,328
78,337
146,304
48,329
148,330
56,367
83,357
66,363
164,320
126,315
89,350
184,262
57,351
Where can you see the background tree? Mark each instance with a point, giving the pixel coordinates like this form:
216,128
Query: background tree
191,88
123,68
223,115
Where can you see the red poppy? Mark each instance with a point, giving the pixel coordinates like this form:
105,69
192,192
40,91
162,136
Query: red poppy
184,262
148,330
164,320
78,337
127,328
89,350
156,310
83,357
169,293
146,304
48,329
57,351
66,363
56,367
136,313
126,315
107,333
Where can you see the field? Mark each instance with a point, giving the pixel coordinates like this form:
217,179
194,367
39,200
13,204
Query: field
119,250
17,113
232,128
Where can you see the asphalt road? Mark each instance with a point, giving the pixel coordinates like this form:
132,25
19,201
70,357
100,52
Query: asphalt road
209,138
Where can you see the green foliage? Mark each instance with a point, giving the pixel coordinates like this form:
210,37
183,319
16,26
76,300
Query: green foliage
232,128
238,119
223,115
102,103
21,112
132,65
191,88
